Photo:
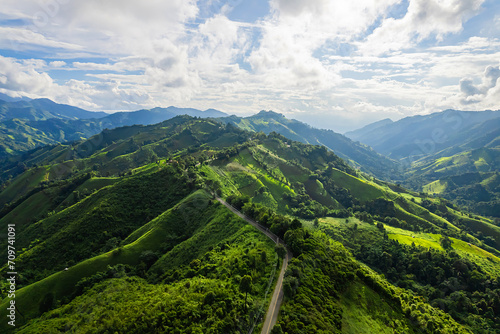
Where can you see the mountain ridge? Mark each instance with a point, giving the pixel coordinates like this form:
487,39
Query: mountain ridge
360,155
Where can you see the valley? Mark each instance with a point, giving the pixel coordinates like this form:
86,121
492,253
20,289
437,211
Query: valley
245,167
128,214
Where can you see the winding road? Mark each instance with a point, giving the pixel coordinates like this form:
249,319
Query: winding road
277,298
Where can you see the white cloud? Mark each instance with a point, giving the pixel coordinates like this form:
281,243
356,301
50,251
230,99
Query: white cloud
57,64
23,77
485,94
105,27
298,28
424,19
25,39
340,60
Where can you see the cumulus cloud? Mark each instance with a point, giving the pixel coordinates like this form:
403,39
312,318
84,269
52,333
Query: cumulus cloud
487,92
57,64
107,27
424,19
19,76
352,59
298,28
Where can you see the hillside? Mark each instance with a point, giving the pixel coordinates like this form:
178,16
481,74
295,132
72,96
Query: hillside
359,155
451,154
469,179
28,125
125,221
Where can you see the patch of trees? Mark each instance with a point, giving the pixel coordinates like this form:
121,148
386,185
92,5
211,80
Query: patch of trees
448,281
278,224
313,282
341,194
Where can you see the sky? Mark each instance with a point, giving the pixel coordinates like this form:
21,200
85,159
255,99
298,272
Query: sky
331,63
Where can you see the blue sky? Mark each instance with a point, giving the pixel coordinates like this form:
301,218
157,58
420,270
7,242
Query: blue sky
334,64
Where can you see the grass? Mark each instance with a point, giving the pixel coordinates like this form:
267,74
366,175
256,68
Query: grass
35,206
435,187
243,174
318,193
360,189
487,261
189,229
22,184
366,312
90,186
418,241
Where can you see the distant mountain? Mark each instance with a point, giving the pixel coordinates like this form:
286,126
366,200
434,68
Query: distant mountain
19,135
453,154
43,122
43,109
420,136
370,127
156,115
360,155
7,98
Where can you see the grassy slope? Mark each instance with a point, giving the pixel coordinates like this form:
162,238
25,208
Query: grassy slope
23,184
83,229
38,205
489,262
360,189
204,221
364,311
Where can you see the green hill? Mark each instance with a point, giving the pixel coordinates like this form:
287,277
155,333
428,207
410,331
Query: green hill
127,238
359,155
42,109
25,125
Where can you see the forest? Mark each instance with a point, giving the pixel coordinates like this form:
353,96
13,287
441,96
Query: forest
129,238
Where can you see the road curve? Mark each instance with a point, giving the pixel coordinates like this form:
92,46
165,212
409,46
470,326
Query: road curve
277,299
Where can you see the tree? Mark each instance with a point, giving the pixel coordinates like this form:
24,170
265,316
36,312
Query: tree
446,242
246,286
316,222
295,224
277,329
280,250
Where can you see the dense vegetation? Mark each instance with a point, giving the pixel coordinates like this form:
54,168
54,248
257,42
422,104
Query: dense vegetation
25,125
324,272
128,216
464,287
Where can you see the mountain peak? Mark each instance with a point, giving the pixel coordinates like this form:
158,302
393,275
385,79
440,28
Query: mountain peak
268,114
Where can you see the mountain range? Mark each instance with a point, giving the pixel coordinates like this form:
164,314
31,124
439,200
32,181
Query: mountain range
23,133
122,232
25,125
439,134
454,154
359,155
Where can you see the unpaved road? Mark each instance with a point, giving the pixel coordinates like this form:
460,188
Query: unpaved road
277,299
